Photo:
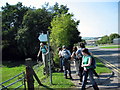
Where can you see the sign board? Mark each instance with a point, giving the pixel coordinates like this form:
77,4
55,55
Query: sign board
43,38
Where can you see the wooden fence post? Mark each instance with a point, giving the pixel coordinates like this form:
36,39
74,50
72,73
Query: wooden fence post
29,74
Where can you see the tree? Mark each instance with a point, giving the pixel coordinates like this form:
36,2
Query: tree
104,39
113,36
108,39
34,23
63,31
12,16
22,25
60,9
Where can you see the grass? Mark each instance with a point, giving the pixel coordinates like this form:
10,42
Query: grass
8,73
58,81
58,78
110,46
90,46
101,68
105,46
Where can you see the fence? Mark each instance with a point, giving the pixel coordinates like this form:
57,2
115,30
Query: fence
28,76
30,73
23,77
3,87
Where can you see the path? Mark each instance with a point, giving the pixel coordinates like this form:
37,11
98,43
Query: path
107,80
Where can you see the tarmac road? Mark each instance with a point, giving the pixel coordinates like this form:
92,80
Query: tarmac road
110,57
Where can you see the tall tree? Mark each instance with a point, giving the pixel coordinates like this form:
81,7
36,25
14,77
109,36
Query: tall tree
12,16
63,32
35,22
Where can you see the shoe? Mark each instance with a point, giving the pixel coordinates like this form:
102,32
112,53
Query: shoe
80,79
61,71
98,77
71,78
66,77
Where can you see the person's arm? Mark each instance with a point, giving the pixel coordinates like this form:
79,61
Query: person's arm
60,54
72,56
39,52
82,63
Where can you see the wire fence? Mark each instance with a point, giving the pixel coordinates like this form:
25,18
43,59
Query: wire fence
20,79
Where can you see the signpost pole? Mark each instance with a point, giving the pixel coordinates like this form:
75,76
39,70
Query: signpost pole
45,38
49,58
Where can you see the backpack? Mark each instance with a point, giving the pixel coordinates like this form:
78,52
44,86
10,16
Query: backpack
79,53
93,64
44,48
68,55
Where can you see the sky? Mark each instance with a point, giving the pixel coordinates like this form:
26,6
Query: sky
97,17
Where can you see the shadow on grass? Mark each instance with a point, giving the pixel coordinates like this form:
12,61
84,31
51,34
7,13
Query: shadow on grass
16,63
11,64
47,87
62,84
100,66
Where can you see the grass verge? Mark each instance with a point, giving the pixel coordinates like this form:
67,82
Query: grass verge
101,68
110,46
58,78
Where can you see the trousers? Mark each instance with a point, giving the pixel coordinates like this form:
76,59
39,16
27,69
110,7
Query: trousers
89,73
67,67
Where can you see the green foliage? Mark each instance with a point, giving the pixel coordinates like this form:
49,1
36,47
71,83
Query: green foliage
113,36
108,39
63,31
59,9
12,17
34,23
56,58
22,25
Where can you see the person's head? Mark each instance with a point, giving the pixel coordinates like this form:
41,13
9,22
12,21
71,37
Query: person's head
63,47
74,48
59,48
82,45
85,51
41,44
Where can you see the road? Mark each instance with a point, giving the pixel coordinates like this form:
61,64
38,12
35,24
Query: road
110,57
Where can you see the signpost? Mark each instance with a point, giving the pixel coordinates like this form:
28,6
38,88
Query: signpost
45,38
